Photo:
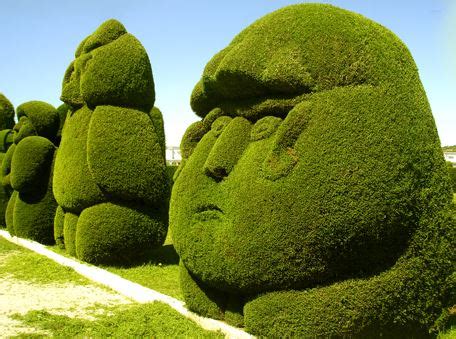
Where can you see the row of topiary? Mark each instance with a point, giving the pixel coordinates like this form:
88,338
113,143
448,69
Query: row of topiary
313,197
91,175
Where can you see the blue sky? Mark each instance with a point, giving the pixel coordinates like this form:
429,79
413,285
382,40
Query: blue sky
39,39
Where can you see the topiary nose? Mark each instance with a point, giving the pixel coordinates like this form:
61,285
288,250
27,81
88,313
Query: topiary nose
228,149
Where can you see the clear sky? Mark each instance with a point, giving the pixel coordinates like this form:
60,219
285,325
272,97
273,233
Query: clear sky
38,40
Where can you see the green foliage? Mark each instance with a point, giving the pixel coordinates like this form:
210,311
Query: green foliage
23,264
62,110
6,139
59,220
114,234
152,320
112,69
34,211
125,158
27,168
70,223
6,113
294,51
40,119
4,198
74,187
159,126
334,187
160,271
452,173
10,212
111,156
30,166
6,167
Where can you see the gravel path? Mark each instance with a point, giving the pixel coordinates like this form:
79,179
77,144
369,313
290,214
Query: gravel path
17,296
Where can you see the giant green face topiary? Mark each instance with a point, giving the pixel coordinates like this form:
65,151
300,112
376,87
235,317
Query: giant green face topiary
308,165
111,67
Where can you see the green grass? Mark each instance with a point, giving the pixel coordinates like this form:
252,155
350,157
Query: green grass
160,272
133,320
145,320
23,264
454,198
449,334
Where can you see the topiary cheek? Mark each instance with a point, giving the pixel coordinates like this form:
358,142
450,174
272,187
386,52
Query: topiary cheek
71,88
283,157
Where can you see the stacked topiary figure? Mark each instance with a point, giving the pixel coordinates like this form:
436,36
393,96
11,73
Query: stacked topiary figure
313,199
109,178
27,170
6,140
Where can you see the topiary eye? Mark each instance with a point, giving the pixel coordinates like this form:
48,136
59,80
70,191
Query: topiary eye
219,125
264,128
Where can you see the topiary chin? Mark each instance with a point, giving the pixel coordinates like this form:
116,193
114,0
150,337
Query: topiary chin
313,198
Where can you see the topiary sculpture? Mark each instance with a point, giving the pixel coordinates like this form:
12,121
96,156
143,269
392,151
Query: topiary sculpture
27,169
6,140
312,199
6,113
109,178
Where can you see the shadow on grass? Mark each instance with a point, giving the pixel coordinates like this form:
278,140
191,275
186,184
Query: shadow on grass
163,256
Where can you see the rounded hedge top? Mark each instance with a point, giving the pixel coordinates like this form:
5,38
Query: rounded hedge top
6,113
297,50
111,68
36,118
324,174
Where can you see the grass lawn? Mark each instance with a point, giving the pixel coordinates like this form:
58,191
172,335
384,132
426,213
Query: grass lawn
122,320
160,272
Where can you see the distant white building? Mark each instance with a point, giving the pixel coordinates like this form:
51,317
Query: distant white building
450,156
173,155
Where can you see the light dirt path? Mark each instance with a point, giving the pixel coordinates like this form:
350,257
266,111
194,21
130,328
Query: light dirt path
81,301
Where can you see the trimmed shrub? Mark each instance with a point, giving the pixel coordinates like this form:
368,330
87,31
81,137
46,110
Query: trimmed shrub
6,113
59,221
74,187
452,173
42,118
157,119
31,163
114,234
6,139
112,153
334,187
69,232
62,110
6,168
27,168
125,159
9,213
33,216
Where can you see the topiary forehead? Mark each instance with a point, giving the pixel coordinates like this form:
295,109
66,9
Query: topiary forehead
107,32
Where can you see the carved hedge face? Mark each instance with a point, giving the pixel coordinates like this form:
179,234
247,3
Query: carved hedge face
293,190
111,68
